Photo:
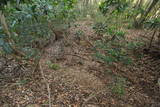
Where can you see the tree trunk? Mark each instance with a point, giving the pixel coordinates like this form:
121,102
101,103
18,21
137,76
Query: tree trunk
138,23
138,4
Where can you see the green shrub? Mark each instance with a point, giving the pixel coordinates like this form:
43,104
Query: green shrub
79,33
31,22
52,65
22,82
113,50
100,28
119,86
120,34
134,45
120,6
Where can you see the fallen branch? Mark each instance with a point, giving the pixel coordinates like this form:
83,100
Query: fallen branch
93,96
77,56
47,84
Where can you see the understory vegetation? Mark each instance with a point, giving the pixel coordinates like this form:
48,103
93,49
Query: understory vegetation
121,37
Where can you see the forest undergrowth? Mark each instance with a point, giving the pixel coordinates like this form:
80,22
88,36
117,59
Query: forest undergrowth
70,53
75,77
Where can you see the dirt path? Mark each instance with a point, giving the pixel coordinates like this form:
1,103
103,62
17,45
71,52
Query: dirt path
71,84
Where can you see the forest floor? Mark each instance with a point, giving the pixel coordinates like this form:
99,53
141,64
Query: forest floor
76,79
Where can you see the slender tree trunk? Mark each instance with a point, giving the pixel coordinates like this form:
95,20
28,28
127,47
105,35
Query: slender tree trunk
138,23
138,4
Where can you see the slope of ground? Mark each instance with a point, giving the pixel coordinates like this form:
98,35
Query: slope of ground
77,79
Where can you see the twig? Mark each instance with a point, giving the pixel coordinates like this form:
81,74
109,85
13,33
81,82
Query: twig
93,96
77,56
74,55
47,84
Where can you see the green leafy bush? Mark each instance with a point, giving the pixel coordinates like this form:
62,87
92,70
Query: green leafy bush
153,23
113,50
100,28
134,45
79,33
119,86
119,5
52,65
114,55
31,21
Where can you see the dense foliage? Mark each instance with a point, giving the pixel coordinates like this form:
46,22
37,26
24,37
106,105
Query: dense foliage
113,5
29,21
